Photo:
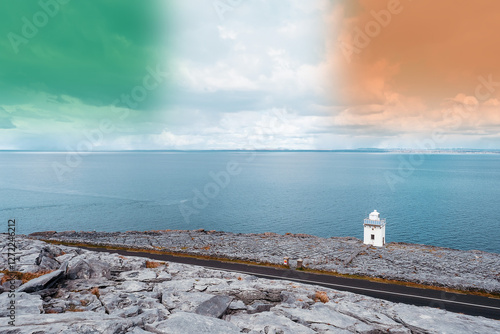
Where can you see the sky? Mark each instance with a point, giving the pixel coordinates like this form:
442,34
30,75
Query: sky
249,74
428,70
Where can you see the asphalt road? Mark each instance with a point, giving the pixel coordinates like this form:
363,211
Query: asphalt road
460,303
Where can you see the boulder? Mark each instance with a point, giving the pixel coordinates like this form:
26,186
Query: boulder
150,316
11,285
86,284
47,263
24,303
71,322
144,275
267,322
259,306
43,282
47,292
237,305
249,295
439,321
89,269
214,307
295,299
46,258
320,313
132,286
192,323
117,302
163,277
137,330
184,301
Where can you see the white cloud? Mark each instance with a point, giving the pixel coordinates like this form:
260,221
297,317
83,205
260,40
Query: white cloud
226,33
253,80
264,129
271,46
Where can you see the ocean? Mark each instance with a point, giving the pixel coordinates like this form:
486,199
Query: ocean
447,200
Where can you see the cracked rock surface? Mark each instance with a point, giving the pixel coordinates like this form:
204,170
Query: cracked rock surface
109,293
463,270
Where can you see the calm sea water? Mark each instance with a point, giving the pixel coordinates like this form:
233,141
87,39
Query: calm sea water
447,200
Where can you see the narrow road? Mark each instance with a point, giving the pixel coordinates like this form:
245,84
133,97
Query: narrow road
460,303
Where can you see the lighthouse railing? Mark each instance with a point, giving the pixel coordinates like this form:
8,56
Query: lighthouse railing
374,222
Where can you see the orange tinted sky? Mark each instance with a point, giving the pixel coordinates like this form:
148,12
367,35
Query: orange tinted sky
411,72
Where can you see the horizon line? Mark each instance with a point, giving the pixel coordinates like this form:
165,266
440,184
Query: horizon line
364,150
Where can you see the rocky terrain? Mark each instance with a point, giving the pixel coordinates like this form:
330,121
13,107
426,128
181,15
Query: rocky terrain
81,291
463,270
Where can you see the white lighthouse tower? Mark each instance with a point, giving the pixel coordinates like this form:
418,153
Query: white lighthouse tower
374,230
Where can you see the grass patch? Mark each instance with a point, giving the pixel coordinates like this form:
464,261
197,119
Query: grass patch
73,308
51,311
321,296
154,264
23,276
95,292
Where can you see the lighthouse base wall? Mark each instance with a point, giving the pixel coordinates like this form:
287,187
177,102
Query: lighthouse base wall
374,235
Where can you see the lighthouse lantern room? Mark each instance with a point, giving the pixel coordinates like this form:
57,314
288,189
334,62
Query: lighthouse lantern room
374,230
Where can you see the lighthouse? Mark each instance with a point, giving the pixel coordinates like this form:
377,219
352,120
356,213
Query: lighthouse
374,230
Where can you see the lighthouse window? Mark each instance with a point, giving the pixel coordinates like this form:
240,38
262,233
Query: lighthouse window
373,236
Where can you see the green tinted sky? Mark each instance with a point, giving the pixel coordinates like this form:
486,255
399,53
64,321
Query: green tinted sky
65,75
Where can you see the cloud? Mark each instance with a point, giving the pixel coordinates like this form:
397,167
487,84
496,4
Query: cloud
268,75
419,72
91,51
263,56
245,130
6,123
227,76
